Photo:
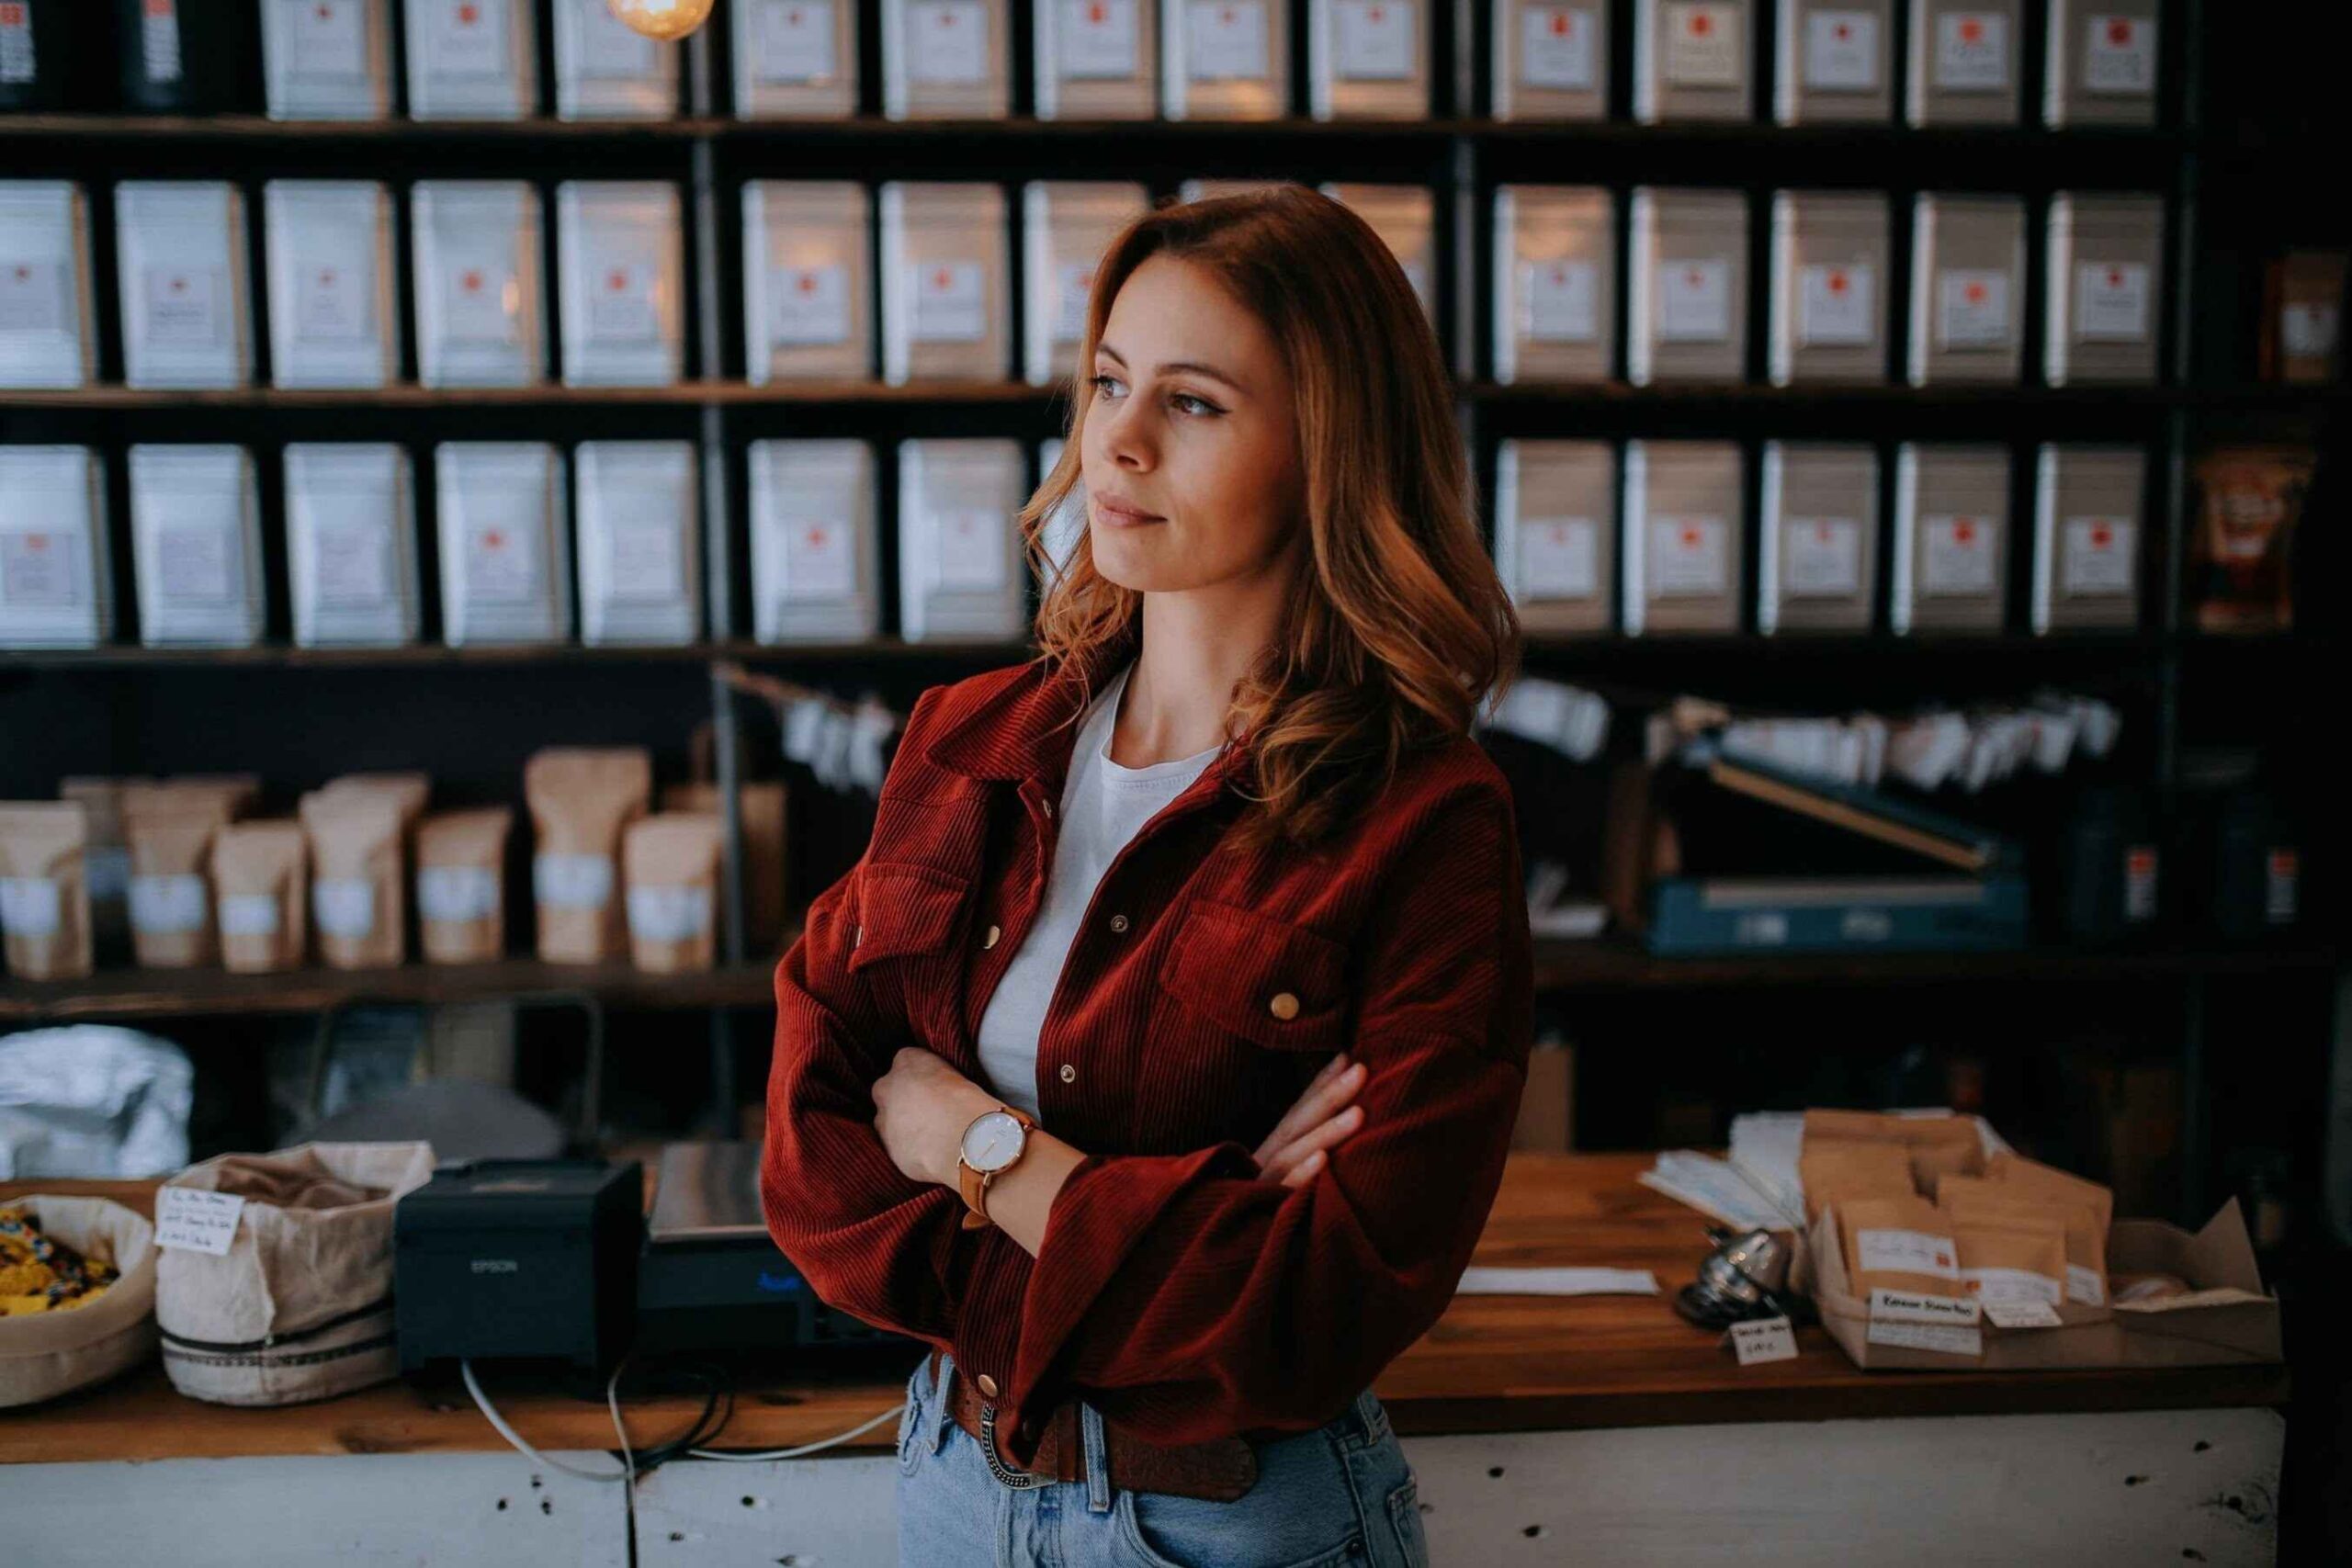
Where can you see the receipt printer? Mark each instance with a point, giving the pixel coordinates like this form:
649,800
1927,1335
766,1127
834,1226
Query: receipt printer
501,1258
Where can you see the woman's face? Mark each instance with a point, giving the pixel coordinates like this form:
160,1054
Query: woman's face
1190,449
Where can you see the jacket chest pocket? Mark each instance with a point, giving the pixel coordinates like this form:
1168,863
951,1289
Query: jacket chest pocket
1277,985
904,911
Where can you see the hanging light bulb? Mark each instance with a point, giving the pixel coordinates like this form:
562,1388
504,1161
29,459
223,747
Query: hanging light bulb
668,20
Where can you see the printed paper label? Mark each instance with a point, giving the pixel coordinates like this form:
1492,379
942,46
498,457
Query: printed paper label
159,40
2110,302
2008,1285
33,296
621,305
248,914
2281,873
1374,39
1972,308
1911,1306
194,1219
1694,301
820,559
29,906
1926,1337
792,41
947,40
196,563
1558,301
2139,883
1688,558
457,893
1098,39
39,571
1555,48
184,305
1972,52
1841,52
807,305
1072,283
1226,40
643,561
2306,332
2118,56
465,37
969,545
1896,1251
2021,1313
17,60
1821,557
950,305
325,37
502,565
1704,46
668,914
161,906
609,48
1764,1340
1955,556
573,881
481,304
1837,306
1559,558
330,304
344,907
2098,558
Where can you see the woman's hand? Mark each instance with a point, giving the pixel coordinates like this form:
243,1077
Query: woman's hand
922,1106
1292,1152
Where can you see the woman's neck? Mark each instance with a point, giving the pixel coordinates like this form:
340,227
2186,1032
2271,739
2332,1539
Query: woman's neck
1197,646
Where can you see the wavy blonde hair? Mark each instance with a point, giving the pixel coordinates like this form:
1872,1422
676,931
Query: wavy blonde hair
1401,626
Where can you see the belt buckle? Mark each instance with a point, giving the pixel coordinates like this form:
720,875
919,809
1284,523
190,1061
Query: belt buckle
1018,1480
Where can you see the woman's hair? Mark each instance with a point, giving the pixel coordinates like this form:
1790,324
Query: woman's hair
1400,626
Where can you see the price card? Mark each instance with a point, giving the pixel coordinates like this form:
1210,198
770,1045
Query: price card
2021,1314
1822,557
1703,45
2110,301
1559,558
1972,52
2100,558
1555,48
1955,556
807,305
1841,52
194,1219
1837,305
1695,300
1763,1339
1972,308
1226,40
1558,301
950,305
2120,56
1687,558
1374,39
792,40
1098,39
947,40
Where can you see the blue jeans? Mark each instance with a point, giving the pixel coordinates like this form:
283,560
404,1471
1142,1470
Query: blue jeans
1342,1494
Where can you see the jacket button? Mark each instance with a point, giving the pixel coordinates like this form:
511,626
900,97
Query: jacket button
1070,1074
1047,806
988,1384
1283,1005
857,935
1118,922
990,940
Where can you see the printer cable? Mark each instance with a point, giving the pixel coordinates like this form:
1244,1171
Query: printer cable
626,1474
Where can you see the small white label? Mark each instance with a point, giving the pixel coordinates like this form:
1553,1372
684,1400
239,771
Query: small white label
481,304
1226,40
1072,283
351,564
1695,300
2120,56
950,304
1761,928
622,307
2305,330
2281,872
2098,557
30,905
16,62
792,41
1703,45
573,881
344,907
1837,305
457,893
2006,1286
1688,558
644,562
1926,1337
2021,1314
947,40
1972,308
465,38
1373,39
325,37
2139,883
820,559
609,48
248,914
1098,39
159,40
183,305
194,1219
1898,1251
33,293
1559,558
807,305
40,569
1559,301
1972,52
165,906
1555,48
2110,302
502,565
105,871
330,304
668,914
1955,556
968,549
1821,557
196,563
1911,1306
1763,1339
1841,52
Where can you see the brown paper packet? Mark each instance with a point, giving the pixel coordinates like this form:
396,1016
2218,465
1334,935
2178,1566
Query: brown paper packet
1836,1171
1898,1243
358,894
261,890
672,875
106,859
44,889
410,791
581,800
241,791
460,885
2012,1262
763,854
2019,1177
1975,1201
172,925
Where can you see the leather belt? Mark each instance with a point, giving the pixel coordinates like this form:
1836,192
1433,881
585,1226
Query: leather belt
1220,1469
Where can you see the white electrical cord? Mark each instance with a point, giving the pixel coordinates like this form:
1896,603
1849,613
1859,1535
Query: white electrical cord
627,1471
805,1448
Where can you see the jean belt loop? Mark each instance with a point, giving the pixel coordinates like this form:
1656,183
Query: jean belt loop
942,1411
1098,1461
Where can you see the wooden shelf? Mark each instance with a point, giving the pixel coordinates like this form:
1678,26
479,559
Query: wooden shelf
407,395
1614,965
427,656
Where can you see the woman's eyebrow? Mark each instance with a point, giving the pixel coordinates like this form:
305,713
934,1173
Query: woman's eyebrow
1194,365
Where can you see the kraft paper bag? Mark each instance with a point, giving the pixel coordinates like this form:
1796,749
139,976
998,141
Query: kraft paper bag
582,799
44,889
261,890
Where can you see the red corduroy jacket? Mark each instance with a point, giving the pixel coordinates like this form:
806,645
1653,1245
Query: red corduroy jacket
1179,1292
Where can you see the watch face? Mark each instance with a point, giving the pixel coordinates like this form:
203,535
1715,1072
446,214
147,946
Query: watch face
992,1141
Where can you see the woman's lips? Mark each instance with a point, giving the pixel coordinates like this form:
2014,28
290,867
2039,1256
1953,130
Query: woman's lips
1122,516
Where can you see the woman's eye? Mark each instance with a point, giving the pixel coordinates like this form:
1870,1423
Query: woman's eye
1202,405
1102,385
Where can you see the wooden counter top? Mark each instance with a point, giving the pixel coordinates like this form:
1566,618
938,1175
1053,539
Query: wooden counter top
1492,1363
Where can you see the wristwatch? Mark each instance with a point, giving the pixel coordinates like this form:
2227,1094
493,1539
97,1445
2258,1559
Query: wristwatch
994,1141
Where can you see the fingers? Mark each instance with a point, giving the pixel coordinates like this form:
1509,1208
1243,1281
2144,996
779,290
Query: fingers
1303,1156
1331,1087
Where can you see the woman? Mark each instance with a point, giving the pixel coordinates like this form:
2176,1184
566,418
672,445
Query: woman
1146,889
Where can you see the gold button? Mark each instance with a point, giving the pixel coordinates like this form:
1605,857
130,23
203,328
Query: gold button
1070,1074
1048,807
1284,1005
1118,922
990,940
988,1384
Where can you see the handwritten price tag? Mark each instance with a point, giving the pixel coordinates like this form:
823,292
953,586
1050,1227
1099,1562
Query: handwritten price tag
1765,1339
195,1220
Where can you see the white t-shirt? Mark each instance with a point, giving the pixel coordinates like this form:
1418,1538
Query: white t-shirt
1103,807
